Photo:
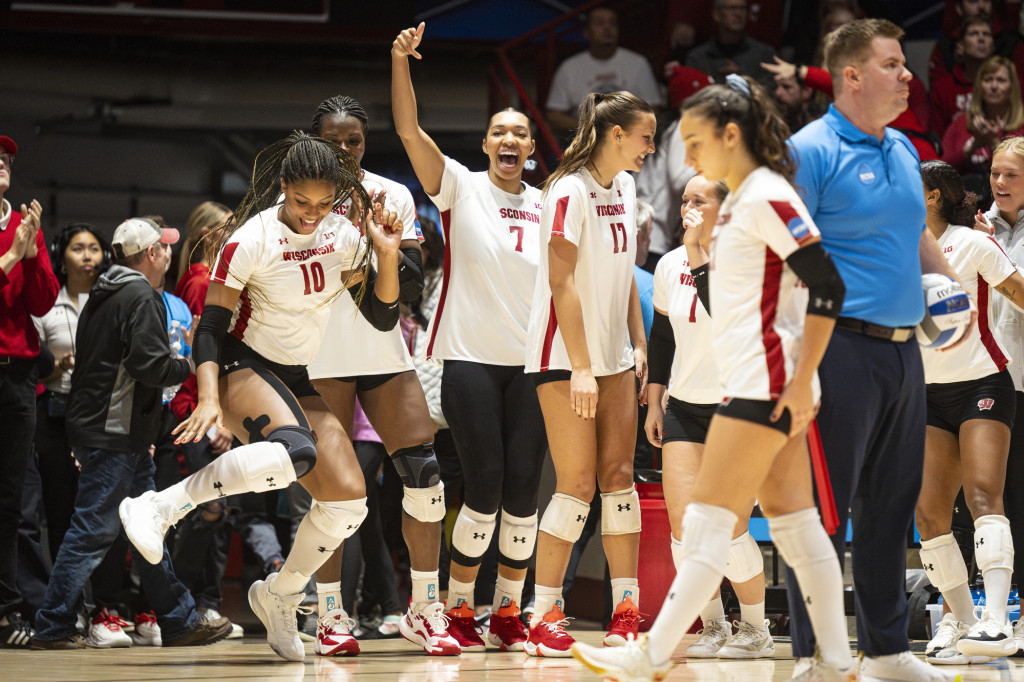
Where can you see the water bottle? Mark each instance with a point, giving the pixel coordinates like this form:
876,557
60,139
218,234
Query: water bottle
177,343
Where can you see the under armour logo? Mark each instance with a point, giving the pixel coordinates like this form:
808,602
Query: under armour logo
436,500
807,600
353,527
624,507
218,485
321,549
580,518
593,195
619,191
230,365
516,538
479,536
980,542
929,567
821,303
270,482
282,241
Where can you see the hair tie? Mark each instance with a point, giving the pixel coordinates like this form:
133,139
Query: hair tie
738,84
598,97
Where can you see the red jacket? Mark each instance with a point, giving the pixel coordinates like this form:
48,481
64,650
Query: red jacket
29,289
980,160
951,95
192,289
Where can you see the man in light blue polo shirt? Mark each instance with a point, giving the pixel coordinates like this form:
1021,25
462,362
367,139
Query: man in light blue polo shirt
862,184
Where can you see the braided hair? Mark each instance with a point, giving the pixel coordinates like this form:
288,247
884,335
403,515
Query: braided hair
339,105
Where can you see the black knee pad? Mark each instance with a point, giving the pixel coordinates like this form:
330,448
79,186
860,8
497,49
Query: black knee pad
300,444
417,466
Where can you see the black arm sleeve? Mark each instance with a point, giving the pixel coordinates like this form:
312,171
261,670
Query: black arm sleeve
410,275
213,325
700,280
814,266
383,316
661,349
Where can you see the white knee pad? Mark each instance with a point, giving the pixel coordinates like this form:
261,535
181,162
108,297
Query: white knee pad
707,531
565,517
943,562
424,504
620,512
745,560
993,544
264,466
801,539
516,539
338,519
471,535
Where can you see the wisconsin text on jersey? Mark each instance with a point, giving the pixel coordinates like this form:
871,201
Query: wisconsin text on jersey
516,214
306,254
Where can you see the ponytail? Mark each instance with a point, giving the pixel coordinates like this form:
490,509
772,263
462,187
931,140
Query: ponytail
956,206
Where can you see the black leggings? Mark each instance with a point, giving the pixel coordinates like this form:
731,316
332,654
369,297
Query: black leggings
498,429
1013,493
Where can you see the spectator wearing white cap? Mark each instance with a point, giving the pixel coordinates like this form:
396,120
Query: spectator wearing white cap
123,361
27,287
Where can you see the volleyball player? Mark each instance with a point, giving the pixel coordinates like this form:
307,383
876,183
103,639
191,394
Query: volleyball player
971,405
357,360
681,339
585,350
491,223
277,269
768,337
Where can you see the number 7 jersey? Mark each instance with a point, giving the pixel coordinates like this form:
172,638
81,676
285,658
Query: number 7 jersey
602,224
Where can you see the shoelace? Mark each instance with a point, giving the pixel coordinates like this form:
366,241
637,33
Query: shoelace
627,618
145,618
289,613
558,627
436,620
347,623
114,622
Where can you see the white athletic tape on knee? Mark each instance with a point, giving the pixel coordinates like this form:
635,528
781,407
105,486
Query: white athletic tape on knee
677,551
264,466
473,531
517,536
424,504
745,559
943,562
338,519
620,512
707,531
565,517
993,544
801,539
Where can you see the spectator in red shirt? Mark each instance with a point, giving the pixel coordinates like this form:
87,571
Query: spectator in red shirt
27,287
995,111
951,94
947,51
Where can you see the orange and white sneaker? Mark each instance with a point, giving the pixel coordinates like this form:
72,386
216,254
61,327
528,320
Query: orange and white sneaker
464,630
625,622
334,635
428,627
506,631
548,638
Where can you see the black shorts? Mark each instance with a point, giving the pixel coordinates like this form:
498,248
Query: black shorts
756,411
236,355
992,397
369,382
549,376
686,422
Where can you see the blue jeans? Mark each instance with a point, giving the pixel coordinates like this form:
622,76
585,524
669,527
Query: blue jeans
107,477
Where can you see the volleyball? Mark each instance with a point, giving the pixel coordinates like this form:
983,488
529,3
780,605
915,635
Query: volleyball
947,312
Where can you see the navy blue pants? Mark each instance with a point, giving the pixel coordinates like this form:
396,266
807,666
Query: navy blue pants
872,421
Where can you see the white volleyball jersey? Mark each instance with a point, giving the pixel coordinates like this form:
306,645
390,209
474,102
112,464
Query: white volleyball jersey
602,224
981,265
491,247
694,376
351,345
758,304
287,282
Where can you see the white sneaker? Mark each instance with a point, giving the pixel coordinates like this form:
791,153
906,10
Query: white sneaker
750,641
427,626
277,613
105,632
146,519
213,614
1018,634
711,638
900,667
627,662
941,650
147,632
988,637
334,635
814,669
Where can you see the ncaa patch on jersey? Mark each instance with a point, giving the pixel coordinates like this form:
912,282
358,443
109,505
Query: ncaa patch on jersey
419,231
796,225
986,404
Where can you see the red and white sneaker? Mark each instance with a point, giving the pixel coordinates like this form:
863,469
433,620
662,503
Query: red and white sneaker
333,635
625,622
428,628
464,630
506,631
147,631
548,638
106,631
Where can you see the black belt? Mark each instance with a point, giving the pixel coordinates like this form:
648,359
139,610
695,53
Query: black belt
8,360
877,331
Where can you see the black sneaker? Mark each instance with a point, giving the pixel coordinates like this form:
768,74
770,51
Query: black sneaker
75,641
17,634
206,632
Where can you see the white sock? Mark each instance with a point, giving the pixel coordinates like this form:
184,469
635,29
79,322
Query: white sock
460,594
944,564
424,587
677,552
328,597
713,610
961,603
625,587
545,599
806,548
507,592
993,550
707,532
997,592
304,558
753,613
